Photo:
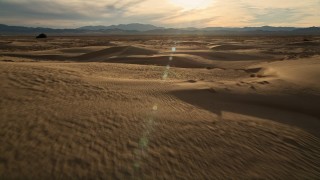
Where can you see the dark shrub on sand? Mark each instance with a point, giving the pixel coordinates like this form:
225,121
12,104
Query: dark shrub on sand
42,35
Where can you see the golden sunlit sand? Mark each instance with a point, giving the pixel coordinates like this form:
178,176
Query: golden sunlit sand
132,107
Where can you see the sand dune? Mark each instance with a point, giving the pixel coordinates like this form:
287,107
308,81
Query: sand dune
115,51
305,44
125,112
177,61
50,57
303,108
302,71
232,47
80,50
84,54
229,56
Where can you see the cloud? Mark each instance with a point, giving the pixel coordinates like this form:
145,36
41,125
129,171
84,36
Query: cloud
74,13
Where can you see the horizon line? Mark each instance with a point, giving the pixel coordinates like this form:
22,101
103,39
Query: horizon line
164,26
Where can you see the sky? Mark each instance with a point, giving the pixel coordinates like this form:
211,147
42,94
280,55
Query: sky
164,13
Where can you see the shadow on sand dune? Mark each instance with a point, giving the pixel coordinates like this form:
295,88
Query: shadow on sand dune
298,111
48,57
115,51
229,56
181,62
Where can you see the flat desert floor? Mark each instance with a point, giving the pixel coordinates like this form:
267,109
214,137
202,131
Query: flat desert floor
160,107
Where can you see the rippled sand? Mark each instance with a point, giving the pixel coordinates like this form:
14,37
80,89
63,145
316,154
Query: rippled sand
131,108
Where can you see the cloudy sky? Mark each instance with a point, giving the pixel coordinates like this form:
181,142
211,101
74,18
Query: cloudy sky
167,13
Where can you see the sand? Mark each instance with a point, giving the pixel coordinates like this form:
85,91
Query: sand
119,108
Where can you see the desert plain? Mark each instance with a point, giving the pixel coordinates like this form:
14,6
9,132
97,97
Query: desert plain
160,107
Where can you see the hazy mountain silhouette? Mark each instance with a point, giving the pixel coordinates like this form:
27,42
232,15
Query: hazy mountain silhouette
263,28
126,27
136,29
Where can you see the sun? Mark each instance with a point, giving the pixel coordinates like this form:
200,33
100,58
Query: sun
192,4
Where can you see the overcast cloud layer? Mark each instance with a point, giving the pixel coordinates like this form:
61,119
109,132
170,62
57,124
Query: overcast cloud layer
226,13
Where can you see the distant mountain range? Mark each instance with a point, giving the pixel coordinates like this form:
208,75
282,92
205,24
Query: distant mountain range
147,29
126,27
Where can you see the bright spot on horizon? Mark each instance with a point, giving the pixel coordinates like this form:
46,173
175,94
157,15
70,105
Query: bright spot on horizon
192,4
